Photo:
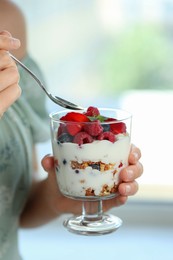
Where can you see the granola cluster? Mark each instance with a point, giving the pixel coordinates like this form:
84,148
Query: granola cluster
100,166
106,190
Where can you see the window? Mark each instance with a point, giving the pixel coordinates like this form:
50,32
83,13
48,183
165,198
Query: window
92,53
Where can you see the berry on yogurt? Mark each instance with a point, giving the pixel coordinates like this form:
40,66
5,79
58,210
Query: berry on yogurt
89,126
82,138
107,136
93,129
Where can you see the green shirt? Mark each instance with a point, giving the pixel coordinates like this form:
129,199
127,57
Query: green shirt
23,124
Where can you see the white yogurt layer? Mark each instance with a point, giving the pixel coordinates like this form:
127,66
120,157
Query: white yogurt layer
74,182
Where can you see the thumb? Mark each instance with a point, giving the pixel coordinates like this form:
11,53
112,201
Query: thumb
48,163
6,33
49,166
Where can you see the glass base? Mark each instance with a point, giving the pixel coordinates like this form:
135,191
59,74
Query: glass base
106,224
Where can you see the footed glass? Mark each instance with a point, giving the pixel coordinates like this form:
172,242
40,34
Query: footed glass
90,150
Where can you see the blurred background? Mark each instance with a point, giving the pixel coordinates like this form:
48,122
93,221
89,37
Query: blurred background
114,53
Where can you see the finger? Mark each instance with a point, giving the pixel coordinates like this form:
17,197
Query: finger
4,32
131,172
128,189
5,60
8,76
115,202
135,154
9,43
8,97
48,163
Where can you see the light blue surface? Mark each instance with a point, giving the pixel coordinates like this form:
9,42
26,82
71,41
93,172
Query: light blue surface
146,234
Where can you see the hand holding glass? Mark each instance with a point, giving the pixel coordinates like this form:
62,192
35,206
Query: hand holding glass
87,167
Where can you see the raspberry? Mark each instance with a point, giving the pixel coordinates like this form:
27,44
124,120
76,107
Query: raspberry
107,136
94,128
92,111
120,165
61,129
82,138
73,128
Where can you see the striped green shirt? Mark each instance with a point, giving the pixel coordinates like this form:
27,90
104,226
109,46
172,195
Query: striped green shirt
23,124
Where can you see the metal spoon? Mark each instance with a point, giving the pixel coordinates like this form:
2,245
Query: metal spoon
60,101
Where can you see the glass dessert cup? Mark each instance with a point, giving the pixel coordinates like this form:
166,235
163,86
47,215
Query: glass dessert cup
89,156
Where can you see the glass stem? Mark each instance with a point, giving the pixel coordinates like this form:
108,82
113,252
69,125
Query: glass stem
92,210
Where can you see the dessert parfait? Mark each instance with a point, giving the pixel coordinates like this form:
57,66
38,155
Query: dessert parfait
90,150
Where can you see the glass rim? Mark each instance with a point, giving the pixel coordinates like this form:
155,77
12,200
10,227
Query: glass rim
127,115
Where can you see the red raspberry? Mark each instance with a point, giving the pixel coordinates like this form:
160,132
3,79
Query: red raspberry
61,129
107,136
82,138
92,111
120,165
94,128
73,128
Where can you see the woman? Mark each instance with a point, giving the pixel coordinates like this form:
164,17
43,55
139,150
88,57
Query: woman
25,201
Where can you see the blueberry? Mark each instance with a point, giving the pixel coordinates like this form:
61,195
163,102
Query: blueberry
77,171
106,127
64,161
95,166
65,138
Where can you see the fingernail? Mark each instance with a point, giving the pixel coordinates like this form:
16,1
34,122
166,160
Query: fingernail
15,42
130,174
128,189
136,156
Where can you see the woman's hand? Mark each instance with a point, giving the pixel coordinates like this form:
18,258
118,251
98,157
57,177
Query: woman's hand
128,185
9,75
128,176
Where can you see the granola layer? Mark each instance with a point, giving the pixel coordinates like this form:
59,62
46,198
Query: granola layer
102,167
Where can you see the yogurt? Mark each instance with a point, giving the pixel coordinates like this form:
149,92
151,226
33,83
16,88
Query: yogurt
91,169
